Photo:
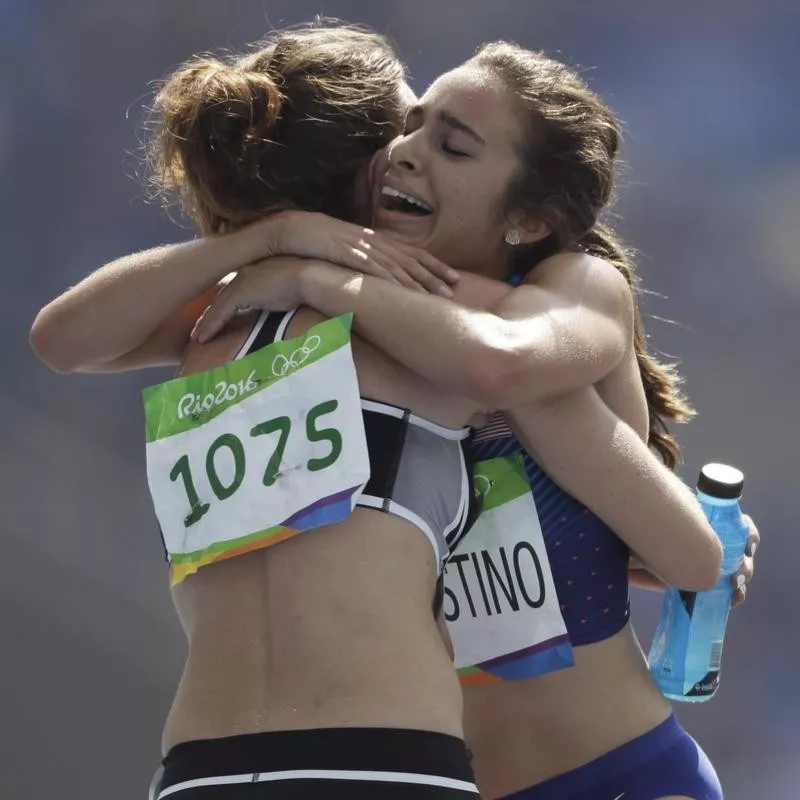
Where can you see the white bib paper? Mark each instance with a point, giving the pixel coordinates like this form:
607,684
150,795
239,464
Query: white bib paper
501,606
248,454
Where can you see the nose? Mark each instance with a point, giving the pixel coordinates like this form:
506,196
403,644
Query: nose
403,153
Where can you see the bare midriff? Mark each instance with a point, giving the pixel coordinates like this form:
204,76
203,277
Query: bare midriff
524,732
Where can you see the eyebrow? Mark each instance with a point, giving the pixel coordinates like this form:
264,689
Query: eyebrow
451,121
455,123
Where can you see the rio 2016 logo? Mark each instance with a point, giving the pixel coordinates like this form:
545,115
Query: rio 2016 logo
193,405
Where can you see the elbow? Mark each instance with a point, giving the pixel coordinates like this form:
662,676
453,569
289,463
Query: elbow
709,576
704,571
494,377
47,342
486,385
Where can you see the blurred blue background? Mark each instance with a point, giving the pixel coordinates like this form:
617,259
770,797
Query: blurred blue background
711,197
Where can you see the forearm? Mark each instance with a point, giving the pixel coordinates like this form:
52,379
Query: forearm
454,346
604,463
511,347
115,309
640,577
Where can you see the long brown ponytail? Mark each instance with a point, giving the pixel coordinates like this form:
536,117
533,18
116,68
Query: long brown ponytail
665,400
569,156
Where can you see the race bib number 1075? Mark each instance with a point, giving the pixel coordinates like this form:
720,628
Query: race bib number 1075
245,455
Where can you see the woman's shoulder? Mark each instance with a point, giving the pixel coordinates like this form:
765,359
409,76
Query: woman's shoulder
585,278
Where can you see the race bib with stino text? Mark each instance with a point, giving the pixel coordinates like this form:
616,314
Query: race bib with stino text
500,601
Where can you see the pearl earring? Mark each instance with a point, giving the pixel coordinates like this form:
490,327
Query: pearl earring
512,237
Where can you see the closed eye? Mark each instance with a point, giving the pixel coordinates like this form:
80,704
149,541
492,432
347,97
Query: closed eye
453,152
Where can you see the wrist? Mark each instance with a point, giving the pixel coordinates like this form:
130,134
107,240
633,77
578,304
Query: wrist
254,242
266,236
329,289
273,235
214,257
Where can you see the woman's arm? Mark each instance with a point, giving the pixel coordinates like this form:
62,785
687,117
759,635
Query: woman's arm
139,310
642,578
538,341
624,483
146,302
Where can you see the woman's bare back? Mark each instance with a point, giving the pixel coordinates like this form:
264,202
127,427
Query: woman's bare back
333,626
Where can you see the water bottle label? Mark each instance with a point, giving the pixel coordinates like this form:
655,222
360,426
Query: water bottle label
687,649
705,687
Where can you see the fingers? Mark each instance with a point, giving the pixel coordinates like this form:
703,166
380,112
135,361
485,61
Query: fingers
380,264
744,574
434,275
217,315
753,538
374,262
363,250
313,235
413,267
424,277
213,319
358,257
432,264
741,578
740,592
747,568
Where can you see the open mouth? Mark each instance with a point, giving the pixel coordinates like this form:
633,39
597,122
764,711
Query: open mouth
395,200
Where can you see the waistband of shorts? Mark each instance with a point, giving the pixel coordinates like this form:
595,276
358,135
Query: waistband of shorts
623,759
387,750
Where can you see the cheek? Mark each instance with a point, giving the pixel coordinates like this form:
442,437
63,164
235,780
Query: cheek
474,218
464,206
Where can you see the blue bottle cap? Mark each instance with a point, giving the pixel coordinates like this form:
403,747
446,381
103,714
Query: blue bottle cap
721,481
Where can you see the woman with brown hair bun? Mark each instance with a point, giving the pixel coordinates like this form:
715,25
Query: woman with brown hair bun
315,667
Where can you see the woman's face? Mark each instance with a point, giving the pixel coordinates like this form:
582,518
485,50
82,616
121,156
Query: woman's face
365,179
441,185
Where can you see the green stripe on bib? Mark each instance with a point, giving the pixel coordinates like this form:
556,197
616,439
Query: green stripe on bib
188,402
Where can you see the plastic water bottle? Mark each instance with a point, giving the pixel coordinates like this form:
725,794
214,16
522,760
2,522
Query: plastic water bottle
686,654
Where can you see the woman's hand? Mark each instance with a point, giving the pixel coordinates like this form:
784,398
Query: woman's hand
275,284
312,235
745,573
642,578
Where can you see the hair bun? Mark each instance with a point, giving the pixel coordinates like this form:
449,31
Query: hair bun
219,117
289,124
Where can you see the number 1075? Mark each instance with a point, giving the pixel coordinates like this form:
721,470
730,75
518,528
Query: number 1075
280,425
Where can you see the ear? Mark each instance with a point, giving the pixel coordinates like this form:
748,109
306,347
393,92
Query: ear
531,230
407,95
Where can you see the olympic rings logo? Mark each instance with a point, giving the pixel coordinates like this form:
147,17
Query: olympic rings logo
482,485
282,365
